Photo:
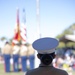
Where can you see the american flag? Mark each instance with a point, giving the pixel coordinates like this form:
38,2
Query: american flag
23,31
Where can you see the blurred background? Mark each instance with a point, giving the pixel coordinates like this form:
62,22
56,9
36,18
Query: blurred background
23,21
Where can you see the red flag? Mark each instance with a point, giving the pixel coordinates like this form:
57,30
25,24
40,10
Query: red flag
16,37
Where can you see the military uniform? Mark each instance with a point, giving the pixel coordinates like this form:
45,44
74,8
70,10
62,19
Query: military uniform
31,56
45,47
15,56
43,70
23,55
6,51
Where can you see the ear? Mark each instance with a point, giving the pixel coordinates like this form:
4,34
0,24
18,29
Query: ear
54,55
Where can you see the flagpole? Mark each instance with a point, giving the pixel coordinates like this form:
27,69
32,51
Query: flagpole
37,61
38,17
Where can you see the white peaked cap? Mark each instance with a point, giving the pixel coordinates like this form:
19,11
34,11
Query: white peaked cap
15,41
23,42
45,45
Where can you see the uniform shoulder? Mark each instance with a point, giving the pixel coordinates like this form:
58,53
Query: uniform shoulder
31,72
61,71
53,72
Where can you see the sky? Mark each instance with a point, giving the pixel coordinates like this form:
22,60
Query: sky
55,16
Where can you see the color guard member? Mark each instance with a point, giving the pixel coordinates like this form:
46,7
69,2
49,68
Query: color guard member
23,55
15,56
31,56
6,51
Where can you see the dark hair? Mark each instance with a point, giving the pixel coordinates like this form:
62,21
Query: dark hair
6,42
46,59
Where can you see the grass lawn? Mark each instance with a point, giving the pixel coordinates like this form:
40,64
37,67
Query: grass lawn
2,72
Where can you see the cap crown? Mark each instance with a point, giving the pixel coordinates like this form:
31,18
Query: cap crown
45,45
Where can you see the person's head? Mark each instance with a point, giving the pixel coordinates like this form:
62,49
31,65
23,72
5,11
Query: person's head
6,42
46,49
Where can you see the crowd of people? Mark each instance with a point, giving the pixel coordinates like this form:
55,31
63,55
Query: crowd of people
65,62
18,54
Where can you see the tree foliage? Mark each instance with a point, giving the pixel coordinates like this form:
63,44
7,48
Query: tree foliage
69,30
61,45
3,38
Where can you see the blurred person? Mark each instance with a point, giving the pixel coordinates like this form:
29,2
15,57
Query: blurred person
60,62
73,66
6,51
23,55
31,56
67,62
15,56
46,53
55,64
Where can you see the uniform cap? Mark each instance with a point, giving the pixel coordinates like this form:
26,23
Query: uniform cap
15,41
23,42
45,45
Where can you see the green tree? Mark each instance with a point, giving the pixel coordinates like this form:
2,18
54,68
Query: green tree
3,38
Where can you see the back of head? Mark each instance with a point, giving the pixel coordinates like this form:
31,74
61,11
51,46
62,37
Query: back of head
46,59
46,49
6,42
